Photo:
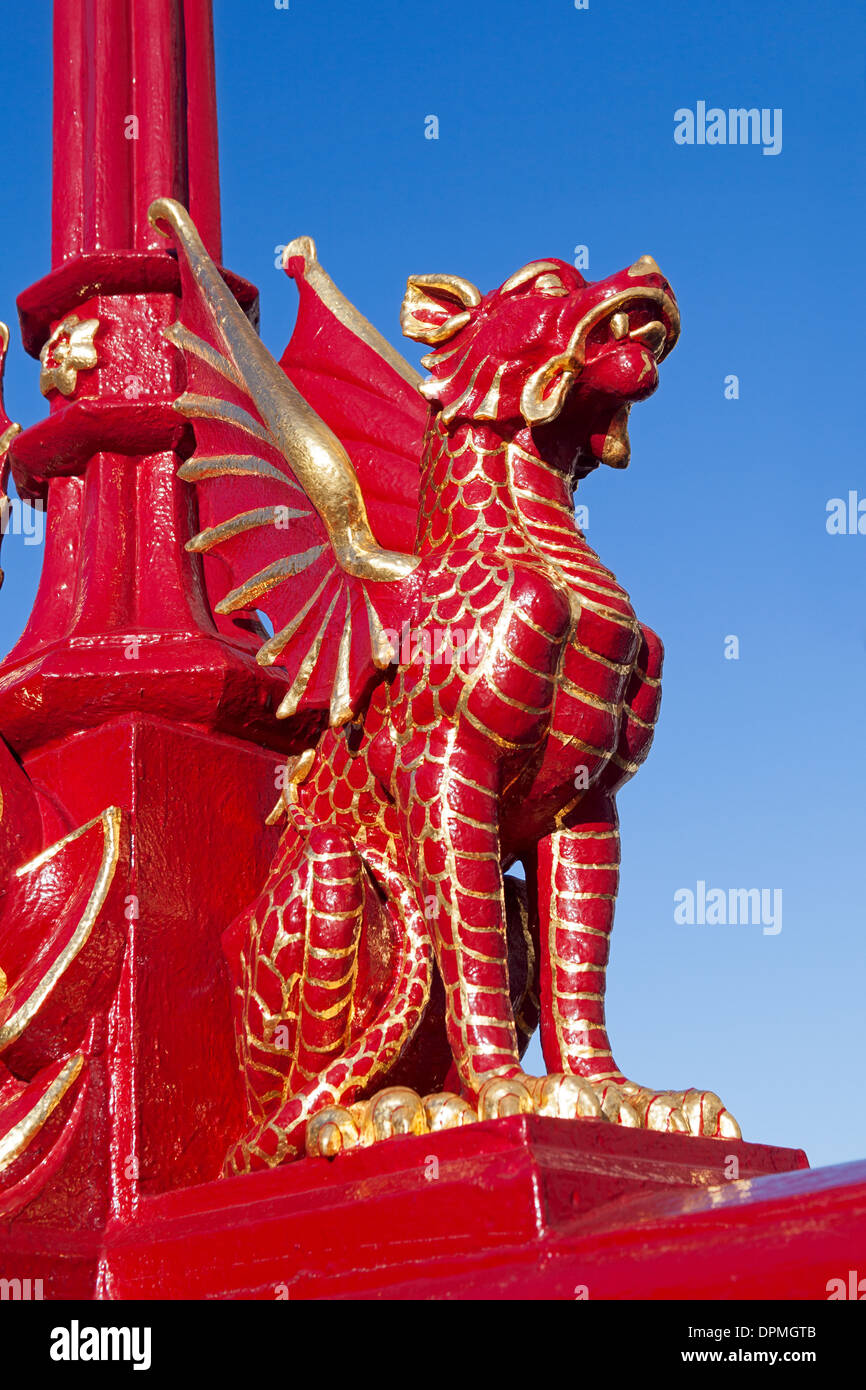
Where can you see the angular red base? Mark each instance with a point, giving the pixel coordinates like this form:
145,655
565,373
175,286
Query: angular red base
517,1208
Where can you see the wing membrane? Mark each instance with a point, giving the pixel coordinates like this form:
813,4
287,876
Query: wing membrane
363,389
314,521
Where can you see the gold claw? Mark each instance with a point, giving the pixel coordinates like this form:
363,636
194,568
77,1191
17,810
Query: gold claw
664,1116
330,1131
396,1110
618,1108
502,1096
444,1110
707,1115
566,1097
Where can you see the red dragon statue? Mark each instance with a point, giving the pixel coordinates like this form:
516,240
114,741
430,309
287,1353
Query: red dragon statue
469,684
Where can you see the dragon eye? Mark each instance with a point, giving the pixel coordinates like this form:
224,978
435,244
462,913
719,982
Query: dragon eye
550,284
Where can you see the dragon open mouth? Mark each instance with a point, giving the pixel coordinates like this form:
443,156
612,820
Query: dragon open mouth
653,333
647,315
598,356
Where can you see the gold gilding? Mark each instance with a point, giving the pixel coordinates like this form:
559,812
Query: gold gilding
69,350
419,315
545,391
341,698
312,450
15,1141
544,273
110,821
296,770
11,430
7,436
644,265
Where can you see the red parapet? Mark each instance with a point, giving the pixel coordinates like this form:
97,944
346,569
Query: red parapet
558,1210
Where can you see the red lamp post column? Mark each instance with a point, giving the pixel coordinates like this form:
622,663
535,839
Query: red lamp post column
125,689
135,118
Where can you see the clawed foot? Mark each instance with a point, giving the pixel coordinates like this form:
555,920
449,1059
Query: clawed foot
398,1110
560,1096
699,1113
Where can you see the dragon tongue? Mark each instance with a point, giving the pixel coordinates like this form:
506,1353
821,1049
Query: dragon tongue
616,450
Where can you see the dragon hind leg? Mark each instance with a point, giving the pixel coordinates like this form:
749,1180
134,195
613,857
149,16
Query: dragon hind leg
307,1037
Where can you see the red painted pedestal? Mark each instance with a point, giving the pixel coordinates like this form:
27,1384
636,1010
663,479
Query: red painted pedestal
522,1208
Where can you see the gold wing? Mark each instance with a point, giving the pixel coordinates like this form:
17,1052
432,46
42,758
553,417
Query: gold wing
283,503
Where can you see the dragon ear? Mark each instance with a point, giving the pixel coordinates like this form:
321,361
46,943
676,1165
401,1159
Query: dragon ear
436,307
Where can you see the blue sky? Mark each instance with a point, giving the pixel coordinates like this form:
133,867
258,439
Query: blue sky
556,130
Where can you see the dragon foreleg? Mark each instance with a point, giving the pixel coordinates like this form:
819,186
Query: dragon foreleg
578,876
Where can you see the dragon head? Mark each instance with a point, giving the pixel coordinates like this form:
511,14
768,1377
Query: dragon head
548,352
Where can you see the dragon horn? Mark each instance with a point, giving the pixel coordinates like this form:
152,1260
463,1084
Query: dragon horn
313,452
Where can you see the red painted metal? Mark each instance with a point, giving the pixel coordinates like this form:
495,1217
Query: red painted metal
520,1208
133,119
127,690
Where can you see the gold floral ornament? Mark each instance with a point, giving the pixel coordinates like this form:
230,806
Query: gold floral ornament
69,350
